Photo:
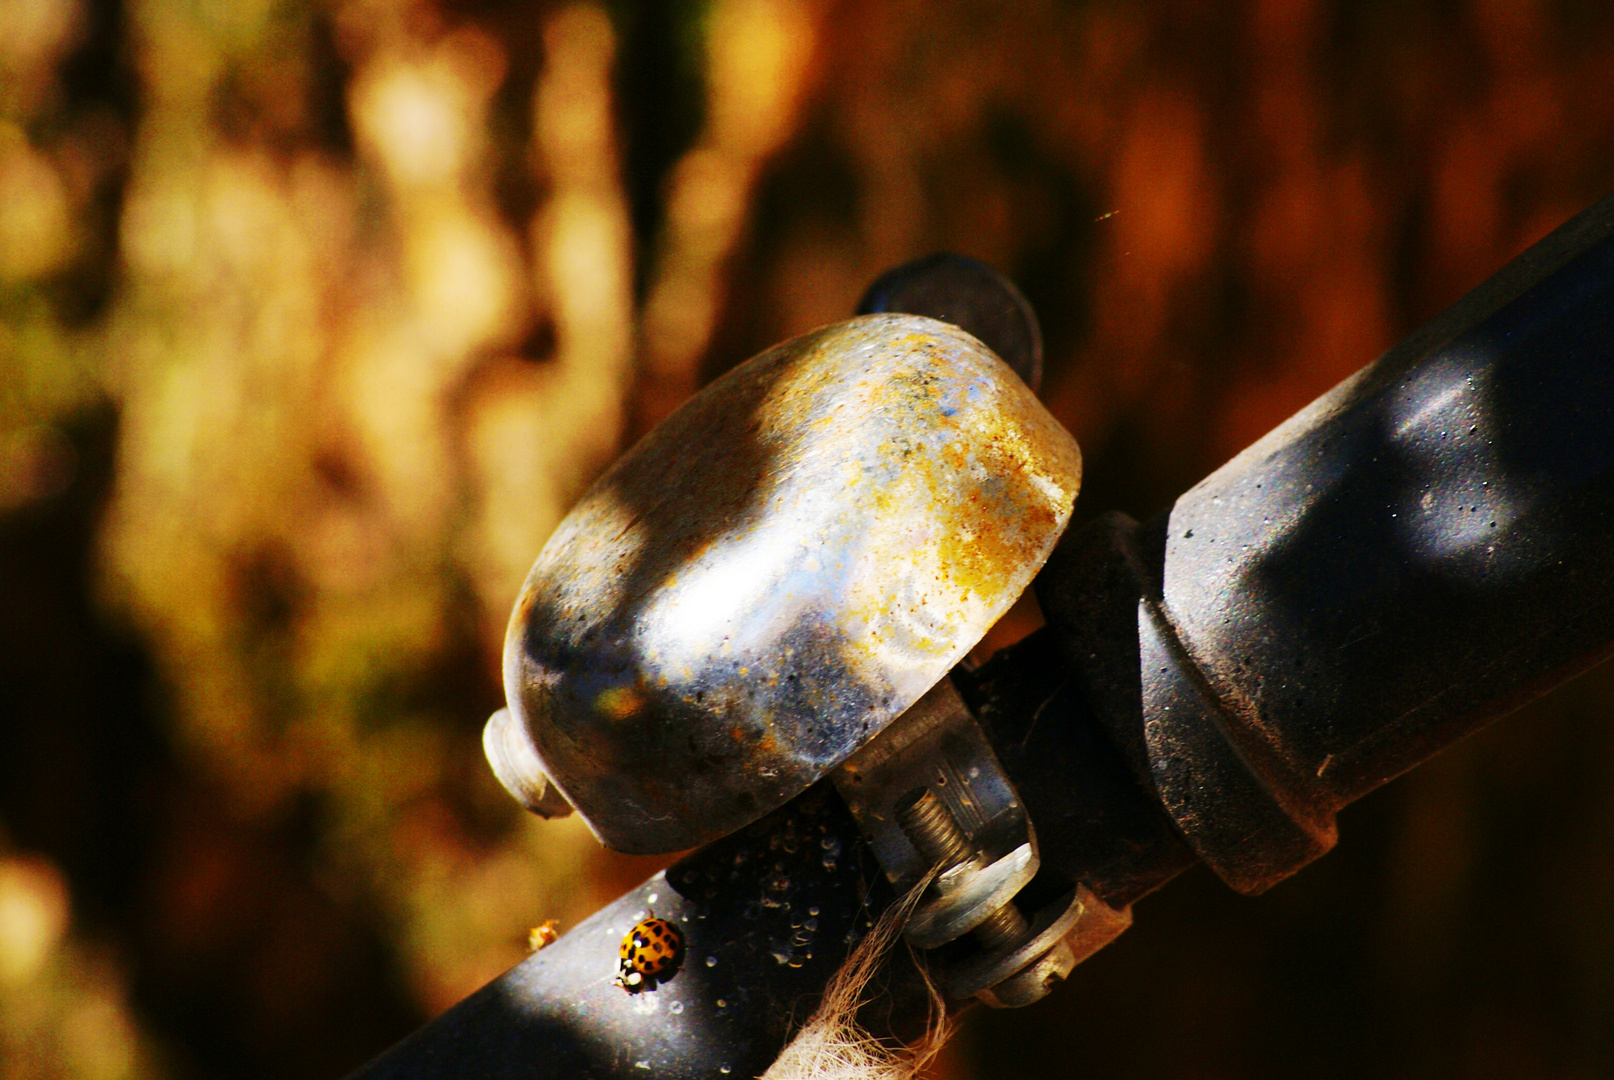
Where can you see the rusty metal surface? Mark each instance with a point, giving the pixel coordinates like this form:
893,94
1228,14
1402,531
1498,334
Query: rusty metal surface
778,571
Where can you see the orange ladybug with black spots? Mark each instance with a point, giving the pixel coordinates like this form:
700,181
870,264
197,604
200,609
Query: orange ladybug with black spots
651,952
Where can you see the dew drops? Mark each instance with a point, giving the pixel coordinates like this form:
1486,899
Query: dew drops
711,961
721,1004
676,1007
812,910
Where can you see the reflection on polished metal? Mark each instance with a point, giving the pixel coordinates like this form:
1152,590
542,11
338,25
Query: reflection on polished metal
773,575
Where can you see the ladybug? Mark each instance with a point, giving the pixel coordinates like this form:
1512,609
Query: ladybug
650,953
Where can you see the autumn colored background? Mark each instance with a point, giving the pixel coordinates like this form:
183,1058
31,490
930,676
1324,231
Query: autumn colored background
315,315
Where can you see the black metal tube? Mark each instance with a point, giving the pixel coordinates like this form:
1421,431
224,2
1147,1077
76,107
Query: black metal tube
1416,553
767,915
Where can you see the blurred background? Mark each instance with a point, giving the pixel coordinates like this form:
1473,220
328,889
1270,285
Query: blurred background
315,315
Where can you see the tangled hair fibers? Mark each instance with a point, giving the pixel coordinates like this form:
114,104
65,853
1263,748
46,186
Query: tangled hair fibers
833,1046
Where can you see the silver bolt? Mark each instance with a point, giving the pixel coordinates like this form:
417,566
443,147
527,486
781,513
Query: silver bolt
934,832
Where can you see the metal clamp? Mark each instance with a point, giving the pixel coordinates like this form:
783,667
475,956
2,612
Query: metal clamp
929,792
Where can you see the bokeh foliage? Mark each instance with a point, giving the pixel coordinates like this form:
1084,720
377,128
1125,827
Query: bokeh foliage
316,314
